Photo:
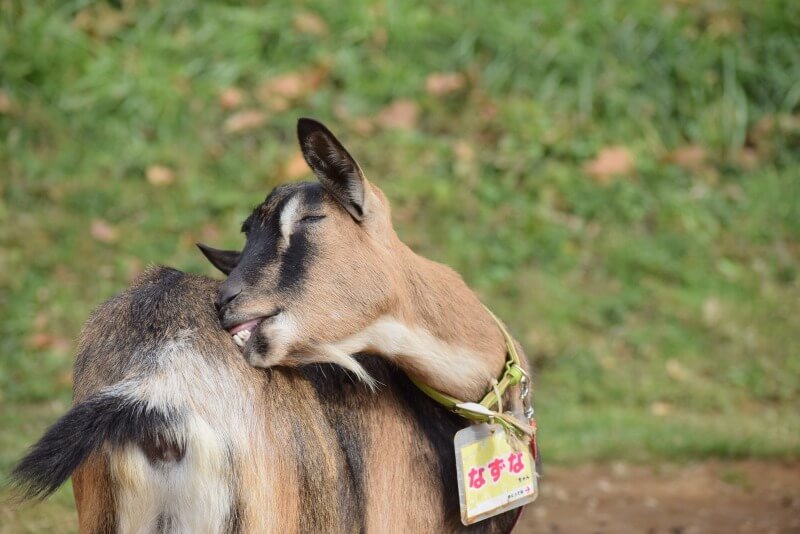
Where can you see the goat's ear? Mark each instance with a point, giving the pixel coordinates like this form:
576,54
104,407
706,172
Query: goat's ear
224,260
333,166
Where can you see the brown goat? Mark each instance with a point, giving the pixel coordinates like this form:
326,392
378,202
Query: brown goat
172,431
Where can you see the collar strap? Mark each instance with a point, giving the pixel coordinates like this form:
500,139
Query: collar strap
482,412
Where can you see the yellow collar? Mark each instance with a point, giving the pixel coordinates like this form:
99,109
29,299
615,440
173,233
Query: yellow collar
482,412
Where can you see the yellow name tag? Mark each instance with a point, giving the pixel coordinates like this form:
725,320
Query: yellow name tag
493,477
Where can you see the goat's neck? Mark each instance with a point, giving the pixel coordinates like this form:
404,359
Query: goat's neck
439,332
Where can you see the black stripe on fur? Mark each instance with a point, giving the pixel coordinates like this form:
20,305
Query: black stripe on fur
70,441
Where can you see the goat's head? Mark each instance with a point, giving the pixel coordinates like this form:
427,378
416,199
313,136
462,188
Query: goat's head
318,262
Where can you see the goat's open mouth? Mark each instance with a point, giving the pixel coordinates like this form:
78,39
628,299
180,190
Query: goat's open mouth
241,332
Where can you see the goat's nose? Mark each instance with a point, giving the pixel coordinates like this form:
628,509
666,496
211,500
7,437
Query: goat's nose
228,291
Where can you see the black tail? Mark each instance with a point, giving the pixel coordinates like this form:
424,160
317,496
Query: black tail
69,442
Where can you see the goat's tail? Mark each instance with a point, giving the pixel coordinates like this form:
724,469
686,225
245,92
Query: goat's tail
105,417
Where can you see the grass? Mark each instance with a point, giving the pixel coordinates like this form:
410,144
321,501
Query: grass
659,302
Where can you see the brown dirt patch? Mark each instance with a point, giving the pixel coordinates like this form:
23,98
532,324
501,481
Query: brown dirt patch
709,497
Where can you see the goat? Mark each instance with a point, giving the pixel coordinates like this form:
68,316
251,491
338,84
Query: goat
323,276
171,431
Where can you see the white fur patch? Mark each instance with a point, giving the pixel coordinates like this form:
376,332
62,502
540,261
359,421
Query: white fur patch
196,493
454,366
289,216
193,495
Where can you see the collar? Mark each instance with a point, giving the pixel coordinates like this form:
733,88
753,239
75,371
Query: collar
482,412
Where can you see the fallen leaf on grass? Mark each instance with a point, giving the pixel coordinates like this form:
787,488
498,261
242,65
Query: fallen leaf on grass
244,120
309,23
133,268
724,24
5,103
210,232
676,371
103,232
295,167
291,85
712,311
400,114
45,340
230,98
610,161
64,378
464,158
363,126
747,158
101,20
691,157
159,175
443,83
660,409
40,340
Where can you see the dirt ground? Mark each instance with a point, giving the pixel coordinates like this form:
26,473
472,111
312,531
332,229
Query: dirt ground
751,497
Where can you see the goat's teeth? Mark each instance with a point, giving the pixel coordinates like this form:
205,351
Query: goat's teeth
245,335
239,341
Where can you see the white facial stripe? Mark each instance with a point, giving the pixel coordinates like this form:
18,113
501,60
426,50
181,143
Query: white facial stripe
289,216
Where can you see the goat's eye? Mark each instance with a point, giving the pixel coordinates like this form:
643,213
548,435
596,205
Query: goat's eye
312,218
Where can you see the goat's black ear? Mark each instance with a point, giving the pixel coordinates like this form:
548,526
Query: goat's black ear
333,166
224,260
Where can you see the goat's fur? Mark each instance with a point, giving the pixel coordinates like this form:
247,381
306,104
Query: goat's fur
172,431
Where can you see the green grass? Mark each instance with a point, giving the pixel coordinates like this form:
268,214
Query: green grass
661,307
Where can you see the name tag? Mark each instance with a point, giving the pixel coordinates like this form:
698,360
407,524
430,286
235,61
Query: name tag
493,477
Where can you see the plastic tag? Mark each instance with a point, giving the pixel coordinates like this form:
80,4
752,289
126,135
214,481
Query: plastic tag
493,477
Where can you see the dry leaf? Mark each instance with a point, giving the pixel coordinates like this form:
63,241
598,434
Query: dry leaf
133,268
309,23
400,114
712,311
464,158
747,158
158,175
40,340
279,104
210,233
103,232
291,85
610,161
295,167
443,83
725,23
363,126
101,20
676,371
660,409
691,157
230,98
379,37
244,120
64,378
5,103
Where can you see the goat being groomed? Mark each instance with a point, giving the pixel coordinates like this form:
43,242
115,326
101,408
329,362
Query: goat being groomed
172,431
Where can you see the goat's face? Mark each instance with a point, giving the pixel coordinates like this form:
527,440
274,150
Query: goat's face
317,265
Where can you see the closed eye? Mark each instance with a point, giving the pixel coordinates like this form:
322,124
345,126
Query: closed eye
312,218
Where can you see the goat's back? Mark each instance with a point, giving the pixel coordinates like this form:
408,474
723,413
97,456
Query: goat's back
171,431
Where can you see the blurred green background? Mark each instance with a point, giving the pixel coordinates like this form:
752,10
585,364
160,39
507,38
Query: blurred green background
620,180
